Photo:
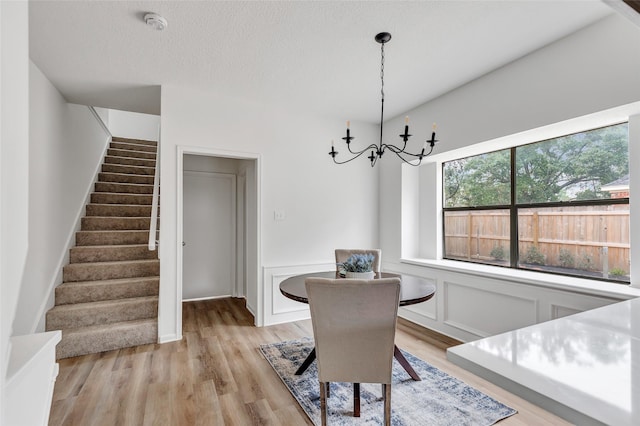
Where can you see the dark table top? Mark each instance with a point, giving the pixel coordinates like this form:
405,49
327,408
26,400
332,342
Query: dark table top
412,289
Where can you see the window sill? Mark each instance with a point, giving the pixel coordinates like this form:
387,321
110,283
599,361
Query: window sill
558,282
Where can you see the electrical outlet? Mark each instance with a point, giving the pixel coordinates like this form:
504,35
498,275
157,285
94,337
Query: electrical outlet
279,215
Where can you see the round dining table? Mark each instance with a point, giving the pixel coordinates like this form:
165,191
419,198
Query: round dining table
412,290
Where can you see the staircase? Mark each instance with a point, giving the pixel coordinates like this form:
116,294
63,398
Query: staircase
109,295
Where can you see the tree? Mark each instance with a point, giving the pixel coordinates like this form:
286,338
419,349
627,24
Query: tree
483,180
572,167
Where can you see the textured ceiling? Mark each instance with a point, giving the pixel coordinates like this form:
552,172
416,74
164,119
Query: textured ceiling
317,56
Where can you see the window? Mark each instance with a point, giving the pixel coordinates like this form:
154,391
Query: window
559,206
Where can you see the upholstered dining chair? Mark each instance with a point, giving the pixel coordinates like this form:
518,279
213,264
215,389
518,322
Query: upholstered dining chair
354,326
343,254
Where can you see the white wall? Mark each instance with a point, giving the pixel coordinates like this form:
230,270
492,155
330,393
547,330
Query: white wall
66,148
590,71
133,125
326,206
14,169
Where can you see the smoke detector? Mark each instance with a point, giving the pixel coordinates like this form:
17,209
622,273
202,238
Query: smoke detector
155,21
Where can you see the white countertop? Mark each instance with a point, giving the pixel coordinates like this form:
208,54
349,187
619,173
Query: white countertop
584,367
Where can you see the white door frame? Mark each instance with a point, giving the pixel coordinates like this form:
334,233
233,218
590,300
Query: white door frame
183,150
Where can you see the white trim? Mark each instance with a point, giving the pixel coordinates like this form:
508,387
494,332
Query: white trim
198,299
97,116
559,282
155,200
183,150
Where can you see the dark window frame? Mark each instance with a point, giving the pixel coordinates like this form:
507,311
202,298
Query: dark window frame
514,207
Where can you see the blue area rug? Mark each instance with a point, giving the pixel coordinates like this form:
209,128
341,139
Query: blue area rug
438,399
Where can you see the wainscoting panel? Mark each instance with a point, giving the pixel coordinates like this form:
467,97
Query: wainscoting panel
278,308
426,310
470,306
485,313
558,311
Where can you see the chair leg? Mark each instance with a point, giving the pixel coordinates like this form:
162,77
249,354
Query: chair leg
387,404
356,400
323,403
328,389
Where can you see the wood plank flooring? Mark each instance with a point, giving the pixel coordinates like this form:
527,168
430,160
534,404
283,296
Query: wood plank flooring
217,376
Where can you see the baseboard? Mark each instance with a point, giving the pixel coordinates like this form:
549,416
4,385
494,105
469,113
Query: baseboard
166,338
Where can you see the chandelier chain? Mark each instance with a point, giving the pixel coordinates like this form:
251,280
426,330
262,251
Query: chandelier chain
382,70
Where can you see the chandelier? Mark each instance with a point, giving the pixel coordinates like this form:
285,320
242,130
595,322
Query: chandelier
378,150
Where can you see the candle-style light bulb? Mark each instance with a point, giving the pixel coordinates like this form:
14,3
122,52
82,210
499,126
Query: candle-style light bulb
406,120
433,132
348,124
331,143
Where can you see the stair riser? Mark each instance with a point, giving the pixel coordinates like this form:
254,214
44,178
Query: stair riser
118,210
123,188
107,198
93,272
125,178
135,141
134,170
132,147
85,254
76,344
96,291
92,315
96,223
92,238
130,153
127,161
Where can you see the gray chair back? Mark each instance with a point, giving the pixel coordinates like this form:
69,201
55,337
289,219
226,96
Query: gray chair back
354,326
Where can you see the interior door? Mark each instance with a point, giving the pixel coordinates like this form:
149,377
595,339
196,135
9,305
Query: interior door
209,230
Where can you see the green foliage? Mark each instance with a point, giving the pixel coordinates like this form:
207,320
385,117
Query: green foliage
533,256
566,259
483,180
617,272
586,262
498,253
572,167
358,263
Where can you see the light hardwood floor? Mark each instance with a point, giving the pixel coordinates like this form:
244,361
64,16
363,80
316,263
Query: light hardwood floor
217,376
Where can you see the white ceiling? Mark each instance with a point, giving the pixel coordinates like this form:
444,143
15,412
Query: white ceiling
316,56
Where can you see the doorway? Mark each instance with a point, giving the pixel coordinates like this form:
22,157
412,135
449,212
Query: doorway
218,221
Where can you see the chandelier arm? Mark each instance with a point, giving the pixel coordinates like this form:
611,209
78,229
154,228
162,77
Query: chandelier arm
395,148
356,155
372,146
409,162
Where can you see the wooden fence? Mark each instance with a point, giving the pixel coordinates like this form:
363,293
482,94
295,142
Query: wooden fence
593,238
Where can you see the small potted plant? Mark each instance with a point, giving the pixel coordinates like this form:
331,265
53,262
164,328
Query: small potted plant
358,266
